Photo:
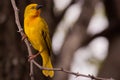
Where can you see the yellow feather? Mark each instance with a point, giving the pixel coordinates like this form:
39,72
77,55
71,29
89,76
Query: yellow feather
37,32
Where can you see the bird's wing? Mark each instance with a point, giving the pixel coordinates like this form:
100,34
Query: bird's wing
47,40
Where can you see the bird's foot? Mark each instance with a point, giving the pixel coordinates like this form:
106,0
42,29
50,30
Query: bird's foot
24,37
31,57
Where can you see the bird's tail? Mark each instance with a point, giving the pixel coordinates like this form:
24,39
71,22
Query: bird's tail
47,63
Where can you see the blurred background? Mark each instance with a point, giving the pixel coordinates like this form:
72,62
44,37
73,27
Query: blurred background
85,38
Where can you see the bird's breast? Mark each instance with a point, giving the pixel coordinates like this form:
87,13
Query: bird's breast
33,32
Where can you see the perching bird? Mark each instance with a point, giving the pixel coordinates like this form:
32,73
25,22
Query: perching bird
36,29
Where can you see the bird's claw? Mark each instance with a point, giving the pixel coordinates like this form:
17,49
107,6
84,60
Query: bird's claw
31,57
24,37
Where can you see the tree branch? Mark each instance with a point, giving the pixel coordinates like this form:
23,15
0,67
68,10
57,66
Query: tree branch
35,63
16,10
69,72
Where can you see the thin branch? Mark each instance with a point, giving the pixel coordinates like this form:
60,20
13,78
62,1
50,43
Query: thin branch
69,72
16,10
33,61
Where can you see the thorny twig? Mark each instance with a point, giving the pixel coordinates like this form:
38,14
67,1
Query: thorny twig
22,34
69,72
35,63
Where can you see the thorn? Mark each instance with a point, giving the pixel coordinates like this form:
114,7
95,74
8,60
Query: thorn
77,74
17,9
20,30
91,76
31,75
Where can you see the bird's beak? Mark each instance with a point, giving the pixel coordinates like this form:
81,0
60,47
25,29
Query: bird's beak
39,6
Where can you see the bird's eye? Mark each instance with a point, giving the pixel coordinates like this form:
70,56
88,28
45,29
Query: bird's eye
33,7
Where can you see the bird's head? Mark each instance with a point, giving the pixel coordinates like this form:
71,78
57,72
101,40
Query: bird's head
33,10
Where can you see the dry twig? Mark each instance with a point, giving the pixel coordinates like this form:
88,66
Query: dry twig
16,10
69,72
35,63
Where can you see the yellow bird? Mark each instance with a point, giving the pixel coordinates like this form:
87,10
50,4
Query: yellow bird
36,29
